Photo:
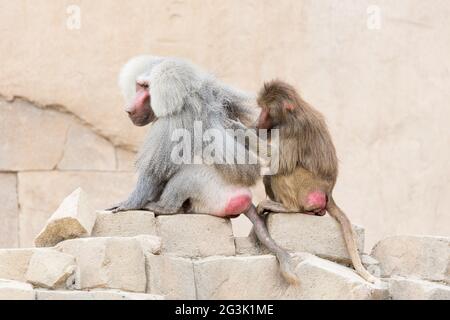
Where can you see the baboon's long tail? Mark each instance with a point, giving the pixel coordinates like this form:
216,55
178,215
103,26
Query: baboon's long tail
350,239
284,258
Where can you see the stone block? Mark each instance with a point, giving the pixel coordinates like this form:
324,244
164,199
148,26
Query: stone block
53,270
424,257
325,280
94,295
9,215
372,265
321,236
125,160
32,138
124,224
149,244
172,277
247,246
74,218
114,263
414,289
14,290
14,263
85,150
258,277
196,235
40,194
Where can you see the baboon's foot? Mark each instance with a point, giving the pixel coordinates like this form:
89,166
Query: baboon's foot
286,268
271,206
316,212
123,206
157,209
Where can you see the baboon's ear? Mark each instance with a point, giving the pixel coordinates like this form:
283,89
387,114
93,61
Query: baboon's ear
288,106
171,82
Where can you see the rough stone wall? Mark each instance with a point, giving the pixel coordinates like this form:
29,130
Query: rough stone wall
46,152
383,91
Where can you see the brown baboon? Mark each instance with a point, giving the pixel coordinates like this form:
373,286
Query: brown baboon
308,166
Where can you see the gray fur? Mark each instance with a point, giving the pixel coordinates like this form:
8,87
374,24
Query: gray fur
181,94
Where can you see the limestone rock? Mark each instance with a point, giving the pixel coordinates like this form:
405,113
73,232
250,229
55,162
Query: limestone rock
196,235
14,290
125,160
413,289
14,263
36,204
322,279
74,218
122,295
372,265
85,150
9,227
124,224
254,277
40,266
321,236
172,277
32,138
423,257
242,225
149,244
37,139
258,277
53,270
246,246
94,295
116,263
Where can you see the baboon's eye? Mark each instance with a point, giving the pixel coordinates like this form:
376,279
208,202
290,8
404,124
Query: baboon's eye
142,84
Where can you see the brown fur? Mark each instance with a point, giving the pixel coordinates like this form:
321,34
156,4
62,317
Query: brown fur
292,189
307,158
303,129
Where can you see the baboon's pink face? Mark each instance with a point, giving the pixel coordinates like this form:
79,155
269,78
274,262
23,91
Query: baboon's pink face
140,110
264,120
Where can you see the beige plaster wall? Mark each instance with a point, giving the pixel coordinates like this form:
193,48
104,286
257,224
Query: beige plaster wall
382,80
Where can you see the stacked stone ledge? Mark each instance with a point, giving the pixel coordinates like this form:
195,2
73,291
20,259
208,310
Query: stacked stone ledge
84,255
418,267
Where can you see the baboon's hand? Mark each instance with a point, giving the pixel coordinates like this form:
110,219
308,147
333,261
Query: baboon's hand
260,209
263,208
114,207
269,206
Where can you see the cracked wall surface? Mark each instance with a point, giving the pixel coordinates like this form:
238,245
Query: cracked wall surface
46,154
384,93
